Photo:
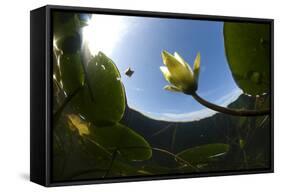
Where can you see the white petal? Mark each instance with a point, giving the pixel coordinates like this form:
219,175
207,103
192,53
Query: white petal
172,88
166,73
178,71
168,76
179,58
196,66
164,69
182,61
165,57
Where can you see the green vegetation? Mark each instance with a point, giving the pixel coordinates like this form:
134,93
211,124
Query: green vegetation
248,52
96,135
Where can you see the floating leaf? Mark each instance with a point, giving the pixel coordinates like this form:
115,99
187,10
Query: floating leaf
129,144
102,100
204,153
66,23
247,47
72,75
70,44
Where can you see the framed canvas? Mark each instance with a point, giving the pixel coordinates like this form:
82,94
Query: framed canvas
120,95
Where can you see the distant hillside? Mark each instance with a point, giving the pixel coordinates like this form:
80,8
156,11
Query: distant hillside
178,136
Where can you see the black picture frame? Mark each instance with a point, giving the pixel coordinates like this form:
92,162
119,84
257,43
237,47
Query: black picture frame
41,92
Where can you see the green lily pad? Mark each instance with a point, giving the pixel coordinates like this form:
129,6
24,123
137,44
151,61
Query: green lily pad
83,151
70,44
67,31
247,47
127,142
66,23
102,99
72,74
204,153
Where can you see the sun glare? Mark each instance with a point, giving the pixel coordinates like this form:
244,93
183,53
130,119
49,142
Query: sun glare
103,33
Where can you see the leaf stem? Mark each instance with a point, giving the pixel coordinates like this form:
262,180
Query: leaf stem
114,155
234,112
175,156
57,114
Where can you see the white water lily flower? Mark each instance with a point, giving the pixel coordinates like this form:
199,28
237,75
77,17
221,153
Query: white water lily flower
179,73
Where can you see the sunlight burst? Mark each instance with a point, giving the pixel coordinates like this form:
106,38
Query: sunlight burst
103,33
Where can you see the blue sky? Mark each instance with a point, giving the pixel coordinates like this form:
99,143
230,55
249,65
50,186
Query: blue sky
137,42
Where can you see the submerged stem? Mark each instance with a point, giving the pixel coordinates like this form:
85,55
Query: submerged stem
57,114
235,112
